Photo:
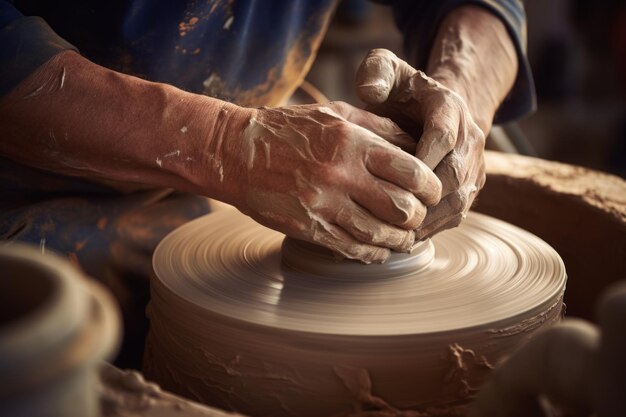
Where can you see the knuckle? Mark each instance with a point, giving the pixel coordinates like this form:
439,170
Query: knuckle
448,139
417,179
447,95
374,235
338,176
366,235
338,106
467,194
341,131
420,79
343,215
479,139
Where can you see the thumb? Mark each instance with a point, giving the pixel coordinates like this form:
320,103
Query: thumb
378,74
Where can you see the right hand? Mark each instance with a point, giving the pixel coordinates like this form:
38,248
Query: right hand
331,175
449,139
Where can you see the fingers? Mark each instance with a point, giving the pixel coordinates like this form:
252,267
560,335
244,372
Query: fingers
451,172
439,225
434,144
359,235
441,131
390,164
462,175
386,82
390,203
337,239
449,213
378,74
406,172
366,228
381,126
297,217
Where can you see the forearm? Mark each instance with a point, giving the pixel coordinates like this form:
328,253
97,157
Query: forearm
474,56
77,118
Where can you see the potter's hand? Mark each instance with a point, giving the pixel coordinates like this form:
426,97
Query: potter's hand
328,174
451,142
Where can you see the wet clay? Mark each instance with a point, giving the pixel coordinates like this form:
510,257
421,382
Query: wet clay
243,320
128,394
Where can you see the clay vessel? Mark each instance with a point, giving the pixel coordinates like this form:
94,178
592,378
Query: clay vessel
55,328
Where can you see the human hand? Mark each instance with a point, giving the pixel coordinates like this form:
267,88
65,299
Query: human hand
329,174
450,142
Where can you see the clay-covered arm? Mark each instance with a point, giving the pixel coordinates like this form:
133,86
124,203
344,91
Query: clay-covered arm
77,118
421,22
450,107
474,56
323,173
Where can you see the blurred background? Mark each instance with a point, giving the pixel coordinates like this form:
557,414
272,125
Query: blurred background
576,48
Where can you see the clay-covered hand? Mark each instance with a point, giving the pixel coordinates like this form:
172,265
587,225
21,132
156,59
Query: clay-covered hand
330,174
450,142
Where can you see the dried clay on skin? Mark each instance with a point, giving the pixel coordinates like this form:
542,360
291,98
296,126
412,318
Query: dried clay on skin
310,198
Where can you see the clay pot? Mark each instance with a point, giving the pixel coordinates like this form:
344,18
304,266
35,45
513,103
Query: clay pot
55,328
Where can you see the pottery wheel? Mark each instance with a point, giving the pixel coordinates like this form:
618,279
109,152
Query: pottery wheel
245,319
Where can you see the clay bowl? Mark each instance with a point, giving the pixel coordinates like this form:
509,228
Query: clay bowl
55,328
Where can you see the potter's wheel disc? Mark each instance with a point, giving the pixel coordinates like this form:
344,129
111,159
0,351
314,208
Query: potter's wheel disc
484,273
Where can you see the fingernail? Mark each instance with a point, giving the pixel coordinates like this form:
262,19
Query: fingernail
375,92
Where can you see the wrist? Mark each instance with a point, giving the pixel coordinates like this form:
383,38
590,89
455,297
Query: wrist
218,168
481,109
474,56
107,126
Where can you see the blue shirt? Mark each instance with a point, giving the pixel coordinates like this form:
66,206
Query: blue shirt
250,52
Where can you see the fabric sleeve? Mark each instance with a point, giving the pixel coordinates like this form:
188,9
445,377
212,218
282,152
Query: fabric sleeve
419,20
26,43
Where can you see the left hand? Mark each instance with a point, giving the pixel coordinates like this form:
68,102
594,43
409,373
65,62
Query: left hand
450,142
